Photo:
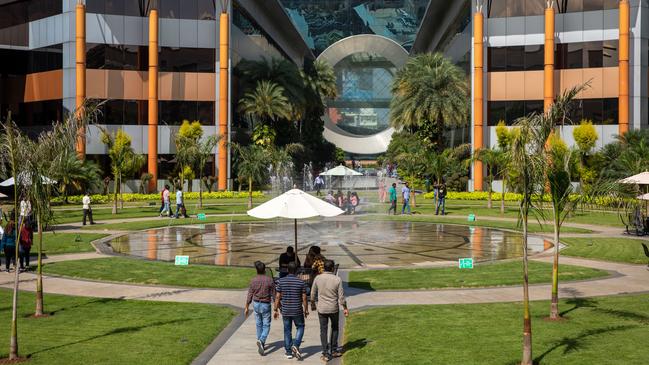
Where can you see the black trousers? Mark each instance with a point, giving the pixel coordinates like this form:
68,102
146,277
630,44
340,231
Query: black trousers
24,256
393,207
329,343
87,213
10,256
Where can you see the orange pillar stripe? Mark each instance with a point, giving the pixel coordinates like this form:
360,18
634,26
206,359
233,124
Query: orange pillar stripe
478,98
623,106
153,100
223,99
81,75
548,69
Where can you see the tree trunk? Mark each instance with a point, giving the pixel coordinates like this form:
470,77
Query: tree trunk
13,343
115,196
414,196
527,321
200,192
502,196
490,190
121,192
554,306
250,193
39,270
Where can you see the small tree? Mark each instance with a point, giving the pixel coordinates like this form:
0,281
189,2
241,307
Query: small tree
505,136
252,165
585,137
123,159
492,158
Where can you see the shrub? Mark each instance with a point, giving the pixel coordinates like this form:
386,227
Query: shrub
103,199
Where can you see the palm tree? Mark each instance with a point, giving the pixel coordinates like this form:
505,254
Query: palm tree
204,150
72,174
266,103
252,165
429,94
123,159
12,155
320,80
492,158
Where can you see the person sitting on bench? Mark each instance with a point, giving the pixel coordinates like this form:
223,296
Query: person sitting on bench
284,259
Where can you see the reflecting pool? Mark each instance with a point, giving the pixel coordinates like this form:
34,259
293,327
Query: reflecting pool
349,243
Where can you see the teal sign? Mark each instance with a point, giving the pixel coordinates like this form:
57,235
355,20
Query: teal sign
471,217
182,260
463,263
201,216
201,226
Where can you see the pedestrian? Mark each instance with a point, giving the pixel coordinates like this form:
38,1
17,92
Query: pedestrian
2,232
319,184
405,192
165,201
25,209
162,200
393,198
8,244
382,192
87,210
26,239
286,258
328,291
291,298
180,204
261,293
441,199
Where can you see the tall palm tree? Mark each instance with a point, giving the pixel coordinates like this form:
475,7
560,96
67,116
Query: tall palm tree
320,80
429,94
252,165
266,103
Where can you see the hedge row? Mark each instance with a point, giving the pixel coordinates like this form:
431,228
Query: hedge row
102,199
514,197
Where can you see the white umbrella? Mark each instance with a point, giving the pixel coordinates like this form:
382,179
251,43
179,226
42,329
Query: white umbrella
24,180
643,197
640,179
341,171
3,196
295,204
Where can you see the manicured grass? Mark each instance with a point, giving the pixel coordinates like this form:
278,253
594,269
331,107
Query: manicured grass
608,249
166,222
60,243
533,226
482,275
105,213
130,270
110,331
607,330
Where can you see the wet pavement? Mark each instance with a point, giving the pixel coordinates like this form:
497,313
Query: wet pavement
350,243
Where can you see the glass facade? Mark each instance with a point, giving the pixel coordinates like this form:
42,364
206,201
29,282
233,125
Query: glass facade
20,12
363,81
599,111
567,56
117,57
323,22
512,8
190,9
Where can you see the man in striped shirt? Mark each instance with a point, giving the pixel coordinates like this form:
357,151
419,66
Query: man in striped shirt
291,297
260,294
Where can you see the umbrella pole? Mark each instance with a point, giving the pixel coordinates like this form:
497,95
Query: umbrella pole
295,226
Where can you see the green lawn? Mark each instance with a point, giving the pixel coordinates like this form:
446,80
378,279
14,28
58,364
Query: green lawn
608,249
607,330
60,243
110,331
533,226
166,222
130,270
482,275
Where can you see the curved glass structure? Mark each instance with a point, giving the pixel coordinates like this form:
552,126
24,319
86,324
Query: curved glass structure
363,80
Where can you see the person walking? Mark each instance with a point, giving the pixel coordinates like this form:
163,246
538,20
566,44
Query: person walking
393,198
319,184
441,199
405,192
162,200
8,244
261,293
180,204
25,210
26,239
285,259
87,210
328,291
291,298
165,202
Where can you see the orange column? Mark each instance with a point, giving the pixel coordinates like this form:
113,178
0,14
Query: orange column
478,98
81,75
623,105
153,99
548,70
223,99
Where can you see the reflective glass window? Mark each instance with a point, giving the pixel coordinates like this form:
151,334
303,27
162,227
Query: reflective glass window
136,58
515,58
187,59
591,5
610,54
576,111
188,10
39,9
497,58
96,6
115,7
593,56
611,4
136,112
169,8
610,110
534,7
497,8
533,106
206,10
496,112
575,58
534,58
137,7
515,110
515,7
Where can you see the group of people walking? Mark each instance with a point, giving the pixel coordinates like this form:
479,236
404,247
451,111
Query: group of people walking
165,199
347,202
19,238
290,296
440,197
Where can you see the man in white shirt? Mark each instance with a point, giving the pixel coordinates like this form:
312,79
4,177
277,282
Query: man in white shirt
405,192
180,204
87,211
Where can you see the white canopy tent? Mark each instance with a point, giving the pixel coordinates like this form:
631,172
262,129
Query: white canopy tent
639,179
295,204
24,180
341,171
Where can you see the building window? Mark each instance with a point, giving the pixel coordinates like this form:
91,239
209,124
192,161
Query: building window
187,59
123,112
173,112
511,8
19,62
25,11
117,57
599,111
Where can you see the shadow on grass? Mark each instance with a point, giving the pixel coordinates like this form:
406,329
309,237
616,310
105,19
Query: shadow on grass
362,285
578,303
356,344
90,302
622,314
